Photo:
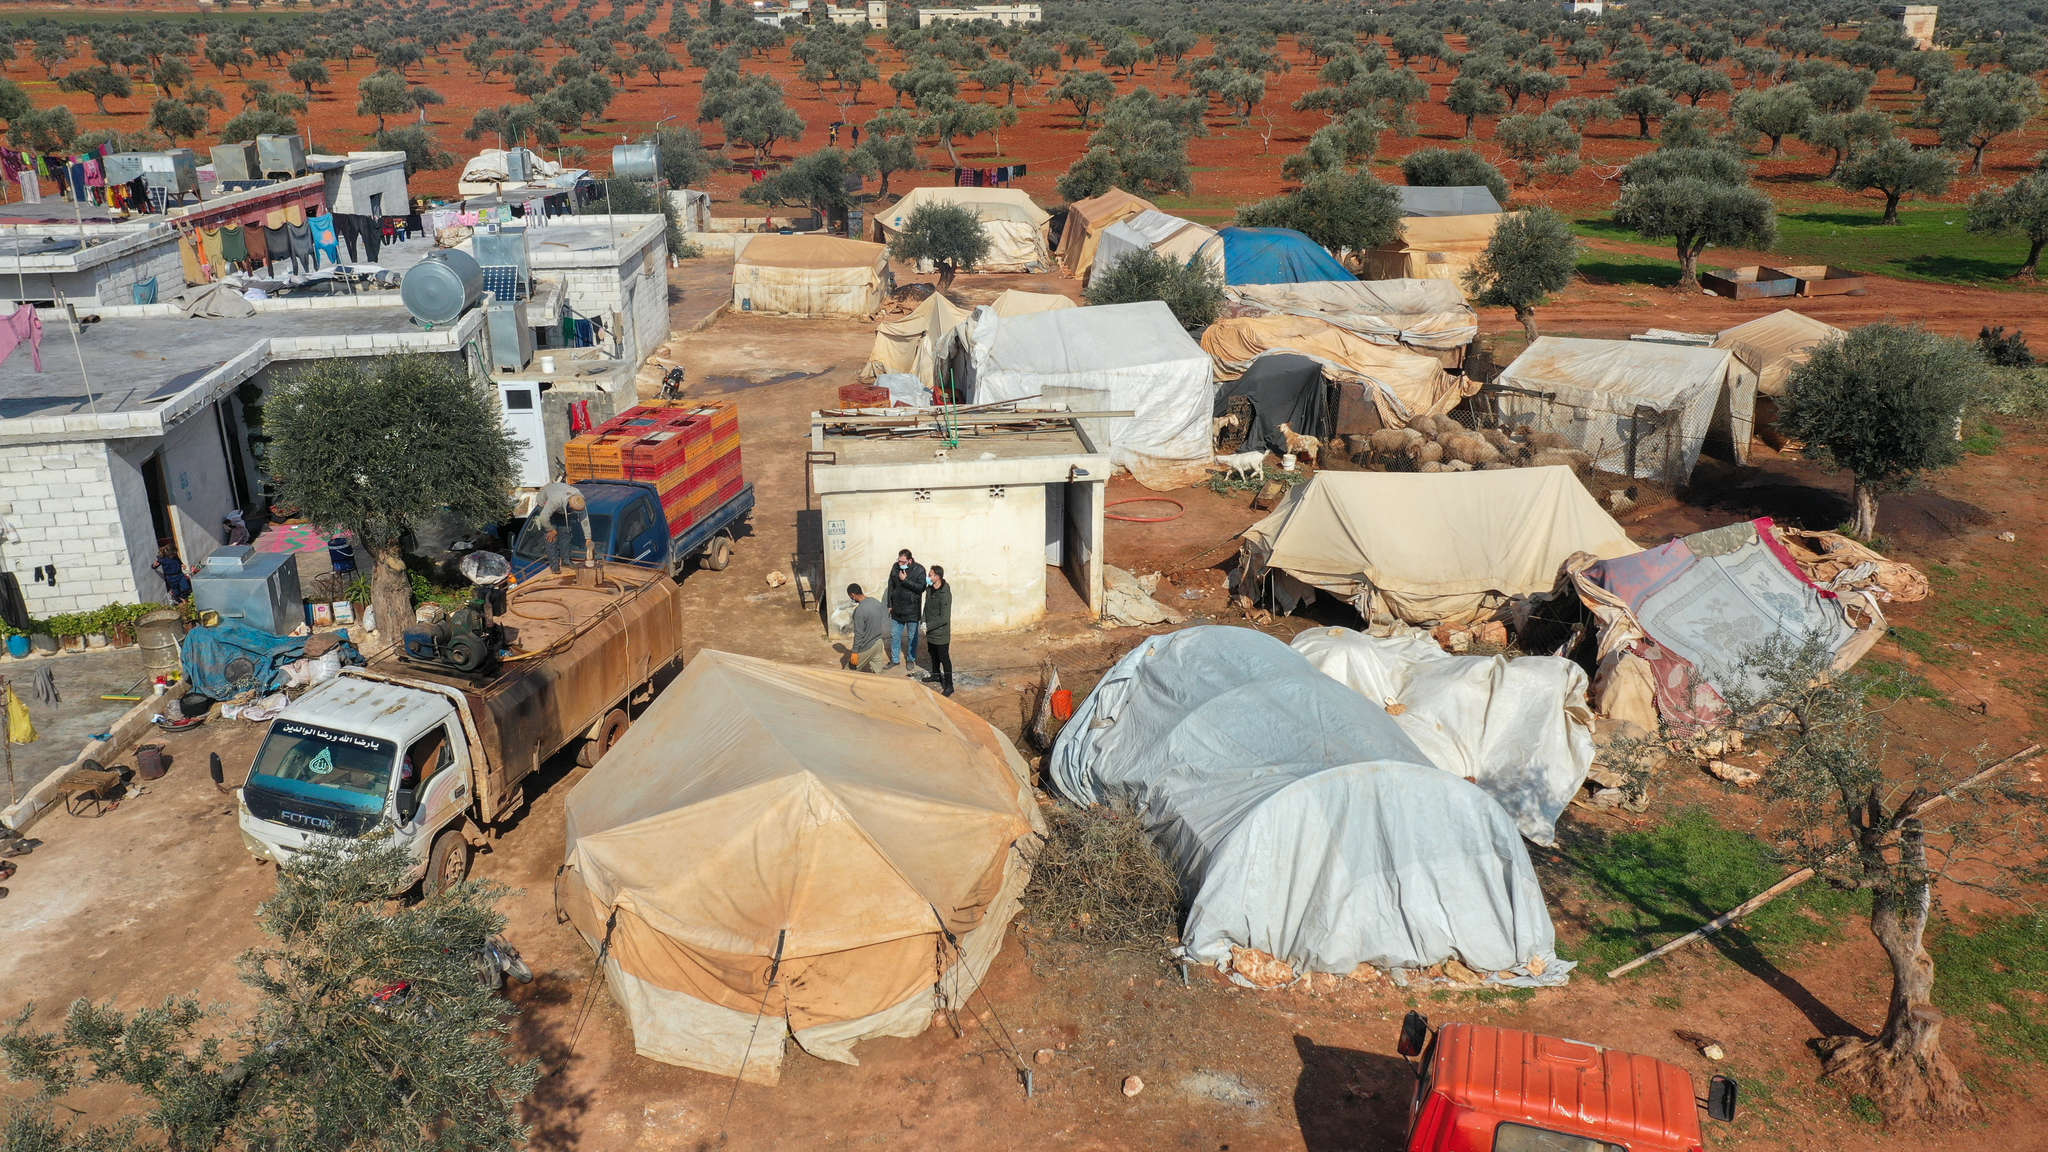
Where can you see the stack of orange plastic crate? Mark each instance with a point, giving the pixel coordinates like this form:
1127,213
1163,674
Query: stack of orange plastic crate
688,450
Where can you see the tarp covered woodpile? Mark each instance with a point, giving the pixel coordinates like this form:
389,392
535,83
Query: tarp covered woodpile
1014,225
1086,221
1432,248
1684,620
1276,256
1154,231
846,824
1405,384
1426,547
1430,314
1113,358
1520,728
810,276
1639,407
1773,346
1302,821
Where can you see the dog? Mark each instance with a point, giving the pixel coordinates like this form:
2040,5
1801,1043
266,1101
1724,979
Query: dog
1305,447
1245,464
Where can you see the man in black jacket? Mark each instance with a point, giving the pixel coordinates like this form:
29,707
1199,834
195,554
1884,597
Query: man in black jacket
905,597
938,630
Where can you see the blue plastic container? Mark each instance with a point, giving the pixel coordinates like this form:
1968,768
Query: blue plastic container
17,645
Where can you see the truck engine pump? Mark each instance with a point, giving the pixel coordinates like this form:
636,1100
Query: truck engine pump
469,639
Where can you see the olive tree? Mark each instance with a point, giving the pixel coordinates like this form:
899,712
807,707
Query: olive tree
1534,141
1973,109
1882,403
2021,209
1694,197
1531,255
370,1032
382,446
1338,210
1896,168
1192,289
1774,113
1644,103
949,236
1453,168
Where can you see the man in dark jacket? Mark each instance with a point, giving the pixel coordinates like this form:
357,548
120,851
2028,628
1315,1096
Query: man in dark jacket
905,597
938,630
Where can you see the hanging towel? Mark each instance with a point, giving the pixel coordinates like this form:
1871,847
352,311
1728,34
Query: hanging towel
234,245
24,327
95,177
193,261
143,292
326,242
294,214
274,218
20,729
209,244
31,186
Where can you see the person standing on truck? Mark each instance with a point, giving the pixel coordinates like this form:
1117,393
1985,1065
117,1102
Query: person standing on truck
906,607
551,508
870,630
938,630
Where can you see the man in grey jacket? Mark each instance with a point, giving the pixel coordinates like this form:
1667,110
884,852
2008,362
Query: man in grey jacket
870,630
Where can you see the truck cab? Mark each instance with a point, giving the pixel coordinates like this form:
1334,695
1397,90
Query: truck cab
630,527
1485,1089
356,755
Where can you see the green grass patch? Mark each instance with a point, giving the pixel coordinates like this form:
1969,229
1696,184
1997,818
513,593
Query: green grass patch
1653,885
1890,681
1992,971
2003,611
1983,439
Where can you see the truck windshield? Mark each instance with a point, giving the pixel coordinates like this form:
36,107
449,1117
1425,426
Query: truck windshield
1523,1138
320,778
533,539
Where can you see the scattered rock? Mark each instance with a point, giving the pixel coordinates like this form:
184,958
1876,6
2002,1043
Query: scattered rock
1222,1087
1457,973
2007,537
1714,1052
1042,1056
1734,774
777,579
1133,1085
1459,641
1259,968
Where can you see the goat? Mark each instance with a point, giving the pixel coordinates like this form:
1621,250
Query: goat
1245,464
1306,447
1226,422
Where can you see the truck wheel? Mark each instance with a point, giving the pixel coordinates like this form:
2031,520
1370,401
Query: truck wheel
608,732
718,554
447,863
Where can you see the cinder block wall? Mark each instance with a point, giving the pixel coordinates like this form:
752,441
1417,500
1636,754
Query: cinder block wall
66,501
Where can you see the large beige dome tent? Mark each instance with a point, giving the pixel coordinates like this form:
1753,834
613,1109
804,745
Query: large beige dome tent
810,275
1014,225
776,851
1086,221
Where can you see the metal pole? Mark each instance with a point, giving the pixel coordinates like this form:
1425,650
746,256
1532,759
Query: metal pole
7,742
90,402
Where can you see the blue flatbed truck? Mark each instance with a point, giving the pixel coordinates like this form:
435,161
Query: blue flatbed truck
630,527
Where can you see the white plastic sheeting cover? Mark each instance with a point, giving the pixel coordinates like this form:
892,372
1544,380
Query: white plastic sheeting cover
1518,728
1015,226
1607,393
1116,357
1429,314
1156,231
1302,820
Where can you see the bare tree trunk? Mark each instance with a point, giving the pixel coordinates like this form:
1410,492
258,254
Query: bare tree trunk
2026,271
1528,318
1865,526
1904,1070
1688,270
390,592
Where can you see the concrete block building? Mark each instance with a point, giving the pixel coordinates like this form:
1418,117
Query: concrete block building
1015,518
1916,21
1007,14
97,263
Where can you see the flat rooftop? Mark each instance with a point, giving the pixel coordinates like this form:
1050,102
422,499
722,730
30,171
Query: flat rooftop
877,449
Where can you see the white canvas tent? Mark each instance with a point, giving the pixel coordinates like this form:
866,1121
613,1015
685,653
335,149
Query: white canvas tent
1772,346
1086,220
1155,231
1117,357
1640,407
1426,314
1302,821
1014,225
810,276
910,343
1519,728
776,851
1426,547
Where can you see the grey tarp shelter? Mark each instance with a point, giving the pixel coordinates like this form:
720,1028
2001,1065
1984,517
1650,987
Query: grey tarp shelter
1459,200
1302,821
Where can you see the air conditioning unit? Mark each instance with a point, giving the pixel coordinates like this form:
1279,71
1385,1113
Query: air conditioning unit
281,157
236,162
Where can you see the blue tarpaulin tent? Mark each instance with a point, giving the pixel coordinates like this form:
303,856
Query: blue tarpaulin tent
1276,256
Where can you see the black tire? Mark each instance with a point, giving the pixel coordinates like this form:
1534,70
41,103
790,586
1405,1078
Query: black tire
447,863
609,730
718,553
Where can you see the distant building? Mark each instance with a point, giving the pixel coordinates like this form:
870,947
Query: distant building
1010,14
1589,8
1916,21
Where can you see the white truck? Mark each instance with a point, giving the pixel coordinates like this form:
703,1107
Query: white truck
438,757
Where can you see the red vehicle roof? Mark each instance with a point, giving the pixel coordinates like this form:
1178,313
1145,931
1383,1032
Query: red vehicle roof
1567,1086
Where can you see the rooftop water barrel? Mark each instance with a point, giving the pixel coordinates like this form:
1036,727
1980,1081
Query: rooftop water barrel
260,589
634,161
441,287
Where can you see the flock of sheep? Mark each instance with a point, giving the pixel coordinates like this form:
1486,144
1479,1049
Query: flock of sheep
1427,444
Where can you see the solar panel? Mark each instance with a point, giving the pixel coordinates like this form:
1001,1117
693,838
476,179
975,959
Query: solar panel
503,282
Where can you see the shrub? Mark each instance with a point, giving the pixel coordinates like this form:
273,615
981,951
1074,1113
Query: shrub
1192,290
